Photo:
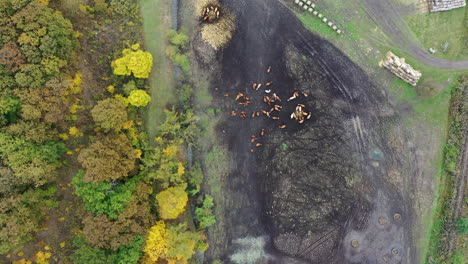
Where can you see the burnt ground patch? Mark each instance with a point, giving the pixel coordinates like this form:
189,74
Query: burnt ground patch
312,188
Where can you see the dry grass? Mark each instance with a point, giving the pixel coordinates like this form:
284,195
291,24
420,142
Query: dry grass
218,33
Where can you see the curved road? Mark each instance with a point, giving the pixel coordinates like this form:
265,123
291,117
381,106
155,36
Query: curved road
387,15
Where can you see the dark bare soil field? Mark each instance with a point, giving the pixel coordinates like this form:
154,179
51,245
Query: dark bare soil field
325,191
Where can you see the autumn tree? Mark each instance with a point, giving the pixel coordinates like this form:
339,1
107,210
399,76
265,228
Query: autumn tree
172,202
109,158
103,232
174,244
134,61
20,215
50,105
110,114
11,56
139,98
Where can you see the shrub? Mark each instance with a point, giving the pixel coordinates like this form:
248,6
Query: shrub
462,226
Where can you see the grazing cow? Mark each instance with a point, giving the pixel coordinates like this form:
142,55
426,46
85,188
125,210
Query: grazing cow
305,94
258,144
268,83
282,126
226,94
239,95
268,91
233,113
258,86
254,85
252,150
275,118
269,69
262,132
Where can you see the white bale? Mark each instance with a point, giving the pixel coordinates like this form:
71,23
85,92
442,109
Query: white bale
313,5
325,20
338,31
296,1
330,24
335,27
305,7
309,2
320,15
315,13
301,4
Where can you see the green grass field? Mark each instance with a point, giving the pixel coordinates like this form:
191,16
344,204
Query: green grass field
434,29
162,79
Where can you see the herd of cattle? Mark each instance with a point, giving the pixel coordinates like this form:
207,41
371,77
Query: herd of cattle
273,107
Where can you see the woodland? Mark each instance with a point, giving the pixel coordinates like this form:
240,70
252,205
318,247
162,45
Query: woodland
74,155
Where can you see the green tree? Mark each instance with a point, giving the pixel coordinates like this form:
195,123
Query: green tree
109,158
110,114
129,87
104,198
32,164
139,98
180,125
179,39
181,243
86,254
134,61
462,225
9,109
204,214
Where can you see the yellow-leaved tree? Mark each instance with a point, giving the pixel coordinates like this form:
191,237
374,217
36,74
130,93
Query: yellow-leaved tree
139,98
174,244
134,61
172,202
156,244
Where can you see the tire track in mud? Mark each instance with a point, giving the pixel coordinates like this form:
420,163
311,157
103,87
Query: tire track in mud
261,41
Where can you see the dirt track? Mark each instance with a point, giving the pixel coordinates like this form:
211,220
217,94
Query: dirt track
277,195
387,15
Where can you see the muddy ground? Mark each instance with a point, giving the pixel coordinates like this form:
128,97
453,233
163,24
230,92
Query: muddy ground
314,188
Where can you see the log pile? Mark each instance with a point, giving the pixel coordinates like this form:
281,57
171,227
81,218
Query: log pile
444,5
400,68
